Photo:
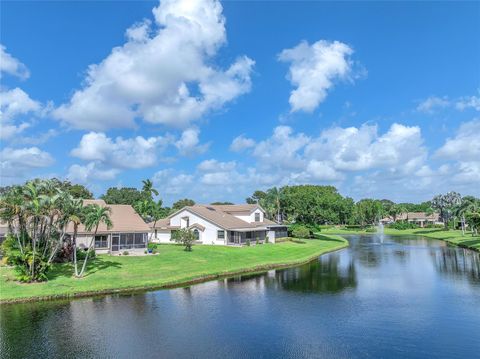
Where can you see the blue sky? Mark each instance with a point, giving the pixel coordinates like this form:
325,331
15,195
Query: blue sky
214,100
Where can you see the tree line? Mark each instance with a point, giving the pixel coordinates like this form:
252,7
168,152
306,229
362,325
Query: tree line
322,205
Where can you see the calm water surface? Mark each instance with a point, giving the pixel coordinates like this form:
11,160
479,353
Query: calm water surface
409,298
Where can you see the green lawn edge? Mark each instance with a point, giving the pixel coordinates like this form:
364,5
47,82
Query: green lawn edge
172,268
453,237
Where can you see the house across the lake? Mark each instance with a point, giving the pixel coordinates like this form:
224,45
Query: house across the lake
421,219
128,233
220,224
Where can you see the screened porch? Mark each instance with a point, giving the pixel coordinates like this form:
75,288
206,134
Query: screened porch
128,241
242,237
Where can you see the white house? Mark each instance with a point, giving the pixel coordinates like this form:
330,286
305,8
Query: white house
220,224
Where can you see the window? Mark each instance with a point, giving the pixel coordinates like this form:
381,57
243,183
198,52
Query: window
220,234
187,220
196,233
101,241
257,217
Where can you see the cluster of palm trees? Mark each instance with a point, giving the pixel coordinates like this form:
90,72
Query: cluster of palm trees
43,219
147,208
468,211
464,209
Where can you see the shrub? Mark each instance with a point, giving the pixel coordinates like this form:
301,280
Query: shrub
22,261
402,225
152,246
257,241
300,231
125,253
371,230
267,239
248,242
82,253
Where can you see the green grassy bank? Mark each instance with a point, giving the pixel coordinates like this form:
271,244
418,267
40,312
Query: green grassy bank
171,267
451,236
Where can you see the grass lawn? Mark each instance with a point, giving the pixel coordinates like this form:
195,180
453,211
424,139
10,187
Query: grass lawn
172,266
452,236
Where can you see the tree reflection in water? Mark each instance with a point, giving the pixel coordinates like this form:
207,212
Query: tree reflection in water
325,275
457,262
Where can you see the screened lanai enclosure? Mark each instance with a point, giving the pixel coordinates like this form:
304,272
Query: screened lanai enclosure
239,238
126,241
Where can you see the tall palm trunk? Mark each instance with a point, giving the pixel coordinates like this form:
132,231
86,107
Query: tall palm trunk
88,252
34,245
74,240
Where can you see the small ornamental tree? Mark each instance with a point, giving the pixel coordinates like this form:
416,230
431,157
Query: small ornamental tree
186,237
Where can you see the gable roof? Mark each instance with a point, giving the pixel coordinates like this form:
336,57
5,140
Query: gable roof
235,208
221,215
123,217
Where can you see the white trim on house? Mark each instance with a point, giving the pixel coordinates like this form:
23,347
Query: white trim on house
238,222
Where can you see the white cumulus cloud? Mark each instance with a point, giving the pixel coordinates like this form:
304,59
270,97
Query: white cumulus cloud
17,162
189,143
241,143
11,65
164,73
90,172
136,152
313,71
465,145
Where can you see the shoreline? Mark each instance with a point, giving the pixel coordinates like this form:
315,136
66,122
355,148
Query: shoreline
452,237
176,283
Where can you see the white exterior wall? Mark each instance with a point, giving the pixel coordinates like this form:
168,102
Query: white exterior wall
271,236
250,218
208,236
163,236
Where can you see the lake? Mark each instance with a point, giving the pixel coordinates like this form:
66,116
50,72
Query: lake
408,297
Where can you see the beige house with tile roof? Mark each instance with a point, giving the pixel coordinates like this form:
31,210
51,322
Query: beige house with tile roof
220,225
421,219
128,233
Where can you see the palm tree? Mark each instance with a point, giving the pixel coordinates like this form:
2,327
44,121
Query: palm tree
469,204
148,188
157,212
12,213
144,208
76,215
94,215
271,203
34,211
